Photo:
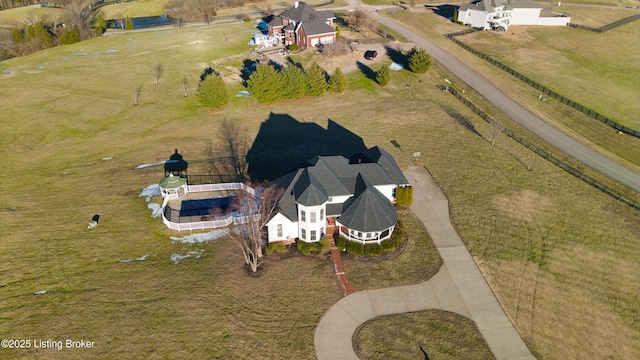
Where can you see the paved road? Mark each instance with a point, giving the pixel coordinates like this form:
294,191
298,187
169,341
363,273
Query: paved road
458,287
519,114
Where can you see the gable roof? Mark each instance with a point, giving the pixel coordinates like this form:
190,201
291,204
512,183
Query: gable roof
368,210
325,176
304,12
317,28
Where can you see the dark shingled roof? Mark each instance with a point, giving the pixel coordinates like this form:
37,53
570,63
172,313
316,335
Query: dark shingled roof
308,190
368,210
317,28
325,176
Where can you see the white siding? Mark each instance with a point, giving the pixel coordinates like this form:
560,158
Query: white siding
308,225
289,228
474,18
554,21
525,16
386,190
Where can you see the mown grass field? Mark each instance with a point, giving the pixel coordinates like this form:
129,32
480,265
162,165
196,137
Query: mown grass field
416,334
560,255
569,73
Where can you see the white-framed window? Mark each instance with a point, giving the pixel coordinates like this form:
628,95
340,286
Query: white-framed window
313,235
303,216
368,235
359,234
279,230
321,214
312,216
303,234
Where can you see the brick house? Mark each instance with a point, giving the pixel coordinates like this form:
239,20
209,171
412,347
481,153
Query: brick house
304,26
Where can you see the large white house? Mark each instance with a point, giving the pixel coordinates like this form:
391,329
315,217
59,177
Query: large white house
339,196
499,14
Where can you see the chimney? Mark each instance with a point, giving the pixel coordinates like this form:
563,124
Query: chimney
296,3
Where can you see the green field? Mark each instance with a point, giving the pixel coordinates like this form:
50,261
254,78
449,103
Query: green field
601,79
560,256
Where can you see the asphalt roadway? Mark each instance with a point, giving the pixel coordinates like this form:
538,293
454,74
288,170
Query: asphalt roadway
519,114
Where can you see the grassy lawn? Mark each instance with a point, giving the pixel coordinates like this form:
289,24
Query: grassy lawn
560,255
569,75
140,8
11,18
420,332
416,262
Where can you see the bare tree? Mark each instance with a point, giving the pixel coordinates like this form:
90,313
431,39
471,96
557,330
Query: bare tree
136,95
181,10
185,85
208,9
157,71
121,21
495,129
236,146
362,17
79,13
255,212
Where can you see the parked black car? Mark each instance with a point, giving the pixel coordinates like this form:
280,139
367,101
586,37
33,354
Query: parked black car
370,54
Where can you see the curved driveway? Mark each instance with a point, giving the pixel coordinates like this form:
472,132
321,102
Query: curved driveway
457,287
519,114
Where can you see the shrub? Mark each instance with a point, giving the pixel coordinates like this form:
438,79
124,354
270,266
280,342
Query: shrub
306,248
325,244
398,234
339,47
337,82
275,247
70,36
264,84
355,248
316,80
213,92
383,76
373,250
404,195
341,243
419,61
388,246
129,23
293,82
292,47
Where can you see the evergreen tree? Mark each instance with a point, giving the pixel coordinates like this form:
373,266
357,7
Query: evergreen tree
100,25
264,84
70,36
213,92
337,82
383,76
18,37
293,82
129,24
39,35
419,61
316,80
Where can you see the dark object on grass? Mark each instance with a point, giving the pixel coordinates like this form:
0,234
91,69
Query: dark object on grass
370,54
94,221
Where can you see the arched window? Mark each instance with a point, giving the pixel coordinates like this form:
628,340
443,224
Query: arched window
279,230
